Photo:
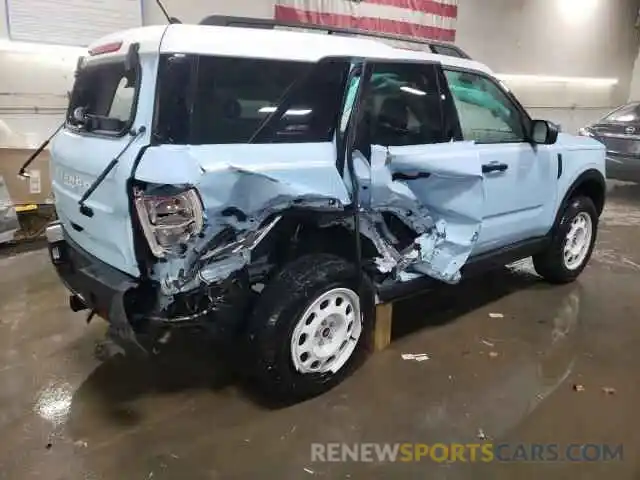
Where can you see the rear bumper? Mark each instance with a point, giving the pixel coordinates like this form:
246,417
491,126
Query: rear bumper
94,285
128,304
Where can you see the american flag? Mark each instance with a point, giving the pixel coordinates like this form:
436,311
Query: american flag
431,19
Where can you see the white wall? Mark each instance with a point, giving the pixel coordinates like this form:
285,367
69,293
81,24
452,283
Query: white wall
540,37
192,11
33,95
567,38
634,87
3,20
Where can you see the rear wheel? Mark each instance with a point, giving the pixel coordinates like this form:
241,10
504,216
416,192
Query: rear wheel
572,243
310,328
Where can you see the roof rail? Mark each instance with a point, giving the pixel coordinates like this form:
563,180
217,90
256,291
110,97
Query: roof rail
438,47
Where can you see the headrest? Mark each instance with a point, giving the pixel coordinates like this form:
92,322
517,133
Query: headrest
394,112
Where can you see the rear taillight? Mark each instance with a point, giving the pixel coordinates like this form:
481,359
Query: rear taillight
169,220
105,48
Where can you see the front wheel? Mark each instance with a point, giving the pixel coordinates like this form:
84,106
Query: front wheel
310,327
572,243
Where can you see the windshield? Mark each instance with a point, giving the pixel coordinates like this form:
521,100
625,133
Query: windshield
103,98
230,99
626,113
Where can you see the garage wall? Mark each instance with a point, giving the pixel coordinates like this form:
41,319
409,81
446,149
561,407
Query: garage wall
634,88
192,11
3,20
563,38
536,37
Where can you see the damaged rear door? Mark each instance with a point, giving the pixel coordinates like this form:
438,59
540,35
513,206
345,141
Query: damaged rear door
422,172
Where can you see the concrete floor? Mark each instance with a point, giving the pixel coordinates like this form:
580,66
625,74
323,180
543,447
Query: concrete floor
65,416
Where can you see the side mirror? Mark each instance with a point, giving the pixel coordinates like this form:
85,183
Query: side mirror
543,132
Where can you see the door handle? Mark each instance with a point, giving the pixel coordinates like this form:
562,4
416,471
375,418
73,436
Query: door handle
494,167
406,176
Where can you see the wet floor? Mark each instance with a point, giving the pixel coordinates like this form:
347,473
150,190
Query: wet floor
510,360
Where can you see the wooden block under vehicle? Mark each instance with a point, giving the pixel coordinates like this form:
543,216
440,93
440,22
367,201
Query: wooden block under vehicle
382,329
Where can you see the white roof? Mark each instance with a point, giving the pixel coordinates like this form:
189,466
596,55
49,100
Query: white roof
269,44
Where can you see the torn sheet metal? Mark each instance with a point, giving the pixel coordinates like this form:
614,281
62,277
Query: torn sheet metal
242,188
439,193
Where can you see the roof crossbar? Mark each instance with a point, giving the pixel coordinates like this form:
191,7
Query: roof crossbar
248,22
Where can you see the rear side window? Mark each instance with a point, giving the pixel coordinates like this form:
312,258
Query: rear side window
103,98
234,97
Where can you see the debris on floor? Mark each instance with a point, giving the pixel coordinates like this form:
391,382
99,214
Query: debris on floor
578,388
80,443
487,343
493,354
609,390
496,315
308,470
481,435
418,357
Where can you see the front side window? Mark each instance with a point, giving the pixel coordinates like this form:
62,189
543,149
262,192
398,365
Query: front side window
486,113
402,106
103,98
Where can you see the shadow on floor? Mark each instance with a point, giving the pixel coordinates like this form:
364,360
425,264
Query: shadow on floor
190,364
623,192
448,303
193,364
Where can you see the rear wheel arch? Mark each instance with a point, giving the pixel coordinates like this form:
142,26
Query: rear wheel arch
314,233
591,184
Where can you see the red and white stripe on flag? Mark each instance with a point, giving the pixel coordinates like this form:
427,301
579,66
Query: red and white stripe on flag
432,19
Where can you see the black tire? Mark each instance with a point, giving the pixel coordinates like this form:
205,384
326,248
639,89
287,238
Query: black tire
550,264
278,311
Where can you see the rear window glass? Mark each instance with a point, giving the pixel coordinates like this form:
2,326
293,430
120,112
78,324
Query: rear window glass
626,113
232,98
103,98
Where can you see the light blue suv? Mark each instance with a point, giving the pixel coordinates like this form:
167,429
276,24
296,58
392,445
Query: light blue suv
270,187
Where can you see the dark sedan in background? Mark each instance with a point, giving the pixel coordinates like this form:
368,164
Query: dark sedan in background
619,131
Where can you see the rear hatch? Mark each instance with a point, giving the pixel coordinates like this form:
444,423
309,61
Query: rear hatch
103,123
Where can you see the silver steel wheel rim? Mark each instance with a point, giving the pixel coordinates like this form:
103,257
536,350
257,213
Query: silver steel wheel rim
327,333
578,241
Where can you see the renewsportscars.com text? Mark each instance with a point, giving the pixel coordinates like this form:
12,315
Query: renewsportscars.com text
465,453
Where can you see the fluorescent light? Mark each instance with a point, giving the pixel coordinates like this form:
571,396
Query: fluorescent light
293,111
531,79
413,91
577,11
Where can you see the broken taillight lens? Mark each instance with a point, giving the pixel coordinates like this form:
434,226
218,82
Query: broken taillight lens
169,220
